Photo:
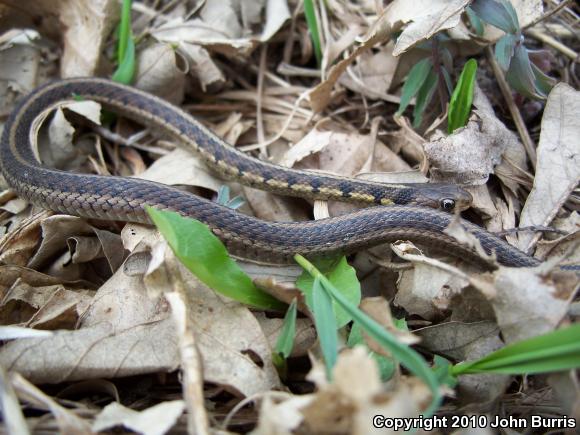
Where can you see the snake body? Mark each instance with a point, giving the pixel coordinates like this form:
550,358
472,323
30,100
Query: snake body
122,198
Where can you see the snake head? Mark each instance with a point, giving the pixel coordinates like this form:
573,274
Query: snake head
445,197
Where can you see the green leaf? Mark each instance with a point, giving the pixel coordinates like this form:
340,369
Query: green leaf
498,13
325,326
505,49
415,80
475,21
447,78
126,48
403,353
521,76
442,369
223,198
424,97
285,341
543,82
460,104
312,23
555,351
124,31
386,365
206,257
343,277
126,69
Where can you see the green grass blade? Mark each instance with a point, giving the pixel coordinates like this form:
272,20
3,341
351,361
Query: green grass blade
206,257
415,80
312,23
424,97
460,104
325,323
403,353
285,341
124,30
558,350
125,48
126,69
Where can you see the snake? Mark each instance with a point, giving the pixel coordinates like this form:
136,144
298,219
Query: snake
416,212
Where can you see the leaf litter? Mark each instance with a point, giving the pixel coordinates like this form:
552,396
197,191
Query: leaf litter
117,305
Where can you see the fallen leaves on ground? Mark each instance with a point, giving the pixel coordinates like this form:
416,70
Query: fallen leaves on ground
118,334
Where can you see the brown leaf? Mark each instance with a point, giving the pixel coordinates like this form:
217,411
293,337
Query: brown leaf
558,164
157,419
158,72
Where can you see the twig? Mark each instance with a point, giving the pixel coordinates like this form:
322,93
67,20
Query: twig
532,228
547,39
259,118
529,144
547,14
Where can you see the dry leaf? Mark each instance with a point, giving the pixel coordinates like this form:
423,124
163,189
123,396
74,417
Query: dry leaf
19,245
485,387
235,353
566,246
88,24
46,307
56,149
427,291
201,65
525,303
156,420
281,418
378,309
9,274
181,167
558,162
565,387
83,25
67,420
271,207
159,72
227,27
19,64
314,142
428,17
60,232
13,418
467,156
455,339
372,73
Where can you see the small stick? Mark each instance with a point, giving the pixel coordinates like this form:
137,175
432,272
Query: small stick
529,144
547,39
548,14
532,228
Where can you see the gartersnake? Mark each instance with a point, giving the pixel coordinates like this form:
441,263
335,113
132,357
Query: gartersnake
122,198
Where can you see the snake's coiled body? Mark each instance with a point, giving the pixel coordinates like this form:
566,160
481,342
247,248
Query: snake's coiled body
120,198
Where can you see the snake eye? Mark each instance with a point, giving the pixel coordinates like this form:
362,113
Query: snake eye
447,204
